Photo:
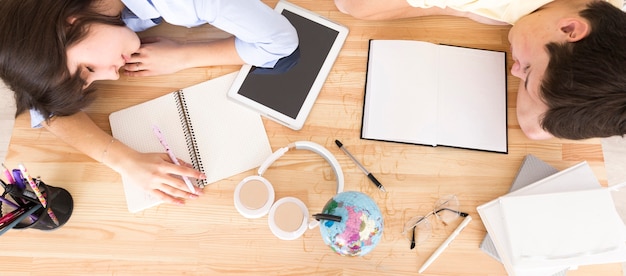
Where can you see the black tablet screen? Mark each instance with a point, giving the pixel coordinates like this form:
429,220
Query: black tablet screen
286,92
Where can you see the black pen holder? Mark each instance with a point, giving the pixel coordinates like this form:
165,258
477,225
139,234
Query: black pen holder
59,201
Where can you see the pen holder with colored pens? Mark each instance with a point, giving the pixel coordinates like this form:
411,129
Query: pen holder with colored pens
30,211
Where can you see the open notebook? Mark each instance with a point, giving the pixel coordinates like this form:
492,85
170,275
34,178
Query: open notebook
202,127
419,92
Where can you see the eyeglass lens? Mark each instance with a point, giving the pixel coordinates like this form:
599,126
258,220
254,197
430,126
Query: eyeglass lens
419,229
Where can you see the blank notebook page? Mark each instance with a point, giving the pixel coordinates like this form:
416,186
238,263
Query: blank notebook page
408,97
472,98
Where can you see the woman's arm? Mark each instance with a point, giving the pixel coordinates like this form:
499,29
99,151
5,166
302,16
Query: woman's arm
261,36
160,56
151,171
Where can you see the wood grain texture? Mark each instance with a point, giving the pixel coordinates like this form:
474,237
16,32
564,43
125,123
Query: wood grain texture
209,237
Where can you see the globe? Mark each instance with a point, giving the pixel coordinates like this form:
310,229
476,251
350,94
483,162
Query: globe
361,225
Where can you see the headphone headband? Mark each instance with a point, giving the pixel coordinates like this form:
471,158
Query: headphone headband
314,147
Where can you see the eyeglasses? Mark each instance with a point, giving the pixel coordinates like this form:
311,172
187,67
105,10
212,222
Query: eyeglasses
418,229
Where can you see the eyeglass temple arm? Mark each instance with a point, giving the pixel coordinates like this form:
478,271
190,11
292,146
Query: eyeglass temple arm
413,237
462,214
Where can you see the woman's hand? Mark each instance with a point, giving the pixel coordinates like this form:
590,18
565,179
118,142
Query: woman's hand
156,56
156,174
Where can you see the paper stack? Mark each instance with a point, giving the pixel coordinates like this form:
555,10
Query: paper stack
561,221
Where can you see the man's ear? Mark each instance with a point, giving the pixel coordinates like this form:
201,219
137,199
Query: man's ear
574,29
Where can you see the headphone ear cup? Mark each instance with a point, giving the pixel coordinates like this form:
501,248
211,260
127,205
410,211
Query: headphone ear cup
254,196
288,218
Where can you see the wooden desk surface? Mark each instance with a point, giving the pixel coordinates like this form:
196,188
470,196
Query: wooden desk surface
208,236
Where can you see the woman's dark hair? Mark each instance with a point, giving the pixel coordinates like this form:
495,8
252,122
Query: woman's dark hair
584,85
34,37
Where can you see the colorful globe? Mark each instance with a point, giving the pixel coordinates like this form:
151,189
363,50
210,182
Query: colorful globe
361,225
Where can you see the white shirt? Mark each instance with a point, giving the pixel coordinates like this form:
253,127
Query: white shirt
262,36
508,11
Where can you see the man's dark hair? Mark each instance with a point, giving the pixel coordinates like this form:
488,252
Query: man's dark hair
584,85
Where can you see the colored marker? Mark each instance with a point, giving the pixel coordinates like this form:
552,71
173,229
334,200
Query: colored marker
19,179
42,199
8,174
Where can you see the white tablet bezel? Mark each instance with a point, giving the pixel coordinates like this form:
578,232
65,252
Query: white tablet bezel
298,122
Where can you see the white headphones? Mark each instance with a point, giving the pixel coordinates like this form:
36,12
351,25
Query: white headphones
254,196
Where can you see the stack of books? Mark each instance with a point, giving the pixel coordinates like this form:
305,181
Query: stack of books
552,221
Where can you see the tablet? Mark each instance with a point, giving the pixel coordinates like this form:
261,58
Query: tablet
287,95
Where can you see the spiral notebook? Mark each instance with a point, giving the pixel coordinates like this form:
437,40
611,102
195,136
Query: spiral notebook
202,127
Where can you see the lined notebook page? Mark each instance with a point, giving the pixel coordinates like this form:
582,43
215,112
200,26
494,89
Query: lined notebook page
133,127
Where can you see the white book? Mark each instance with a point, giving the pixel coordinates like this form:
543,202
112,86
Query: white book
532,170
564,220
424,93
203,128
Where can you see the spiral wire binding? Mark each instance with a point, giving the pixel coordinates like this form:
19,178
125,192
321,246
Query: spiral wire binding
190,137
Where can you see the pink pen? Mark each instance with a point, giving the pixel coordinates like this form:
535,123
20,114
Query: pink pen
169,151
7,173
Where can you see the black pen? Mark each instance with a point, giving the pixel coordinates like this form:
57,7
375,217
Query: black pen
369,174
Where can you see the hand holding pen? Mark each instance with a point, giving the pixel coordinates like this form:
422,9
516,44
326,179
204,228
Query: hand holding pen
170,153
369,174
